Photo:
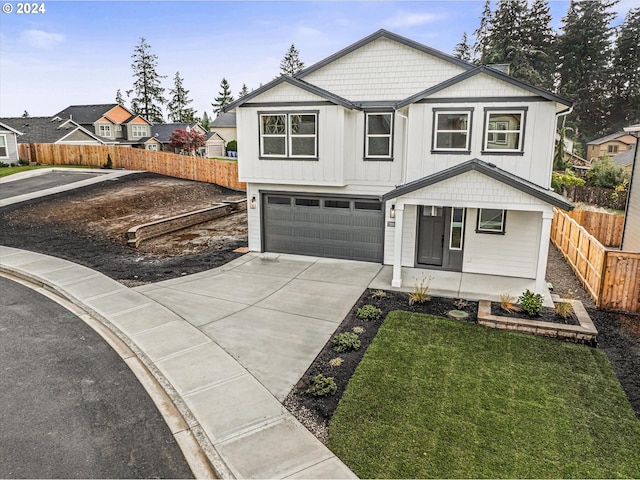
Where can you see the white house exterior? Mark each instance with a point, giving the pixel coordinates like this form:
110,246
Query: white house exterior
389,151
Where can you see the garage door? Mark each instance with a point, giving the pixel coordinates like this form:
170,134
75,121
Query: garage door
350,228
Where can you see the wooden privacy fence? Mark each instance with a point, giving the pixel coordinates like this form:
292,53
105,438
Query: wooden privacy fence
181,166
603,197
611,277
606,227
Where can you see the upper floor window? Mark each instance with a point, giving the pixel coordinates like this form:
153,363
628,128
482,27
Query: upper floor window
379,128
504,131
452,130
612,148
4,152
138,131
104,130
289,135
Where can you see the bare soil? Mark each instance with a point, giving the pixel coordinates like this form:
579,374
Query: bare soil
88,226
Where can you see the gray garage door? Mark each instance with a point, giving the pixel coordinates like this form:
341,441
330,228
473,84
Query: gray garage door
335,227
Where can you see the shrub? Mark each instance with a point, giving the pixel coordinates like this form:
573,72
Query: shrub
344,342
357,330
368,312
4,165
531,303
604,173
23,162
564,309
378,294
507,303
559,180
232,146
109,164
336,362
322,386
420,293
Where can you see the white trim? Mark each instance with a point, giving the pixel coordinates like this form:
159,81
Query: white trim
467,132
378,135
6,145
457,249
495,131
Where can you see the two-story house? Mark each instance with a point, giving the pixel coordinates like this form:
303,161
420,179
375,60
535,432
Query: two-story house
610,145
113,123
390,151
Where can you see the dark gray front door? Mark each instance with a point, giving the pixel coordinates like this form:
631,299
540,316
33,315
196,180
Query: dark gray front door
431,235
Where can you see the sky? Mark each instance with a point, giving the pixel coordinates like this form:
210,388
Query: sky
79,52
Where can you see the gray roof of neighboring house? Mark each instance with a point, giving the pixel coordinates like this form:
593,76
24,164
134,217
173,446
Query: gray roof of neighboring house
224,119
608,138
624,159
84,114
9,128
489,169
162,131
45,129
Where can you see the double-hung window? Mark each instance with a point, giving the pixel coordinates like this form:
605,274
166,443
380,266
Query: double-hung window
104,130
4,152
289,135
379,131
452,130
139,131
504,131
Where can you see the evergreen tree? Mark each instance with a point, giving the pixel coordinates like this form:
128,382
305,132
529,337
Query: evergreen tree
243,91
584,50
626,73
291,63
224,97
540,44
480,46
148,95
205,121
25,114
177,107
119,98
463,49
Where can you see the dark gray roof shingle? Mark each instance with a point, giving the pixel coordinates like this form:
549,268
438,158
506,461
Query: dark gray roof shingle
44,129
85,114
227,119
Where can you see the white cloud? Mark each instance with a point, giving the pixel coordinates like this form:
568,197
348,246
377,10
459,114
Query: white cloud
41,39
405,19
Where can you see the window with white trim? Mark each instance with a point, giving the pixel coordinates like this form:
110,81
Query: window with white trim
490,220
504,131
289,135
4,150
104,130
456,233
138,131
379,129
452,130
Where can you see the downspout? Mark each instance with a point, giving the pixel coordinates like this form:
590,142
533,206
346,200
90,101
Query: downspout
405,146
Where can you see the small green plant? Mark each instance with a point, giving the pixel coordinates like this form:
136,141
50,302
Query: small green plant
531,303
420,293
232,146
336,362
344,342
109,164
322,386
3,165
461,303
357,330
368,312
377,294
507,303
23,162
564,309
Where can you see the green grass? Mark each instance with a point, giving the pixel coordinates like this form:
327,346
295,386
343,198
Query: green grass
435,398
6,171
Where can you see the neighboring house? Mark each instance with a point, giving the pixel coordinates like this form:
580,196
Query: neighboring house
610,145
225,126
51,130
113,123
625,160
162,132
393,152
631,232
8,143
215,146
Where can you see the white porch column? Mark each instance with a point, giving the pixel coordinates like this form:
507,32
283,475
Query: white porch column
545,236
397,248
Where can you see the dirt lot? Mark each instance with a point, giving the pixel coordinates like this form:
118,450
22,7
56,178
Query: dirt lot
89,225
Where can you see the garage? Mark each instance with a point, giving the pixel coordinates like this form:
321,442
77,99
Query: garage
335,227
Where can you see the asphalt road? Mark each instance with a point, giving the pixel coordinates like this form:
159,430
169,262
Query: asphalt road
69,406
41,182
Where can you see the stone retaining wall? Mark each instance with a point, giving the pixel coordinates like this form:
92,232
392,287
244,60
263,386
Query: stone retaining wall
139,233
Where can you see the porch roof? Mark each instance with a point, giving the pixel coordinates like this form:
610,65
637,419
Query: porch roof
488,169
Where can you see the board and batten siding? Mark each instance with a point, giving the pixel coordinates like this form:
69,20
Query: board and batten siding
383,70
631,240
514,254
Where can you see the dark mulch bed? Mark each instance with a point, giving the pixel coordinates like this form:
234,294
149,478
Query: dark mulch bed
547,314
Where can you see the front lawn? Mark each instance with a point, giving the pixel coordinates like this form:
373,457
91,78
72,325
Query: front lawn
6,171
436,398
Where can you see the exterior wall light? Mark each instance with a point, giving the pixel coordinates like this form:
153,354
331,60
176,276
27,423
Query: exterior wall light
392,213
252,203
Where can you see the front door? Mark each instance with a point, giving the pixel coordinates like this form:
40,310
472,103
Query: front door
430,235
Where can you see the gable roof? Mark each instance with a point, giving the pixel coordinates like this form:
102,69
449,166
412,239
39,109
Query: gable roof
492,72
162,131
489,169
46,129
331,97
610,137
11,129
390,36
224,119
86,113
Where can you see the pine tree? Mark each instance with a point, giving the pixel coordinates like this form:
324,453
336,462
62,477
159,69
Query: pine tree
463,49
480,46
540,45
119,98
25,114
224,97
626,73
243,91
148,94
177,107
584,50
291,63
205,121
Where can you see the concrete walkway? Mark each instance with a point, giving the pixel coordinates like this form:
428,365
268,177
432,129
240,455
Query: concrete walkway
227,344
